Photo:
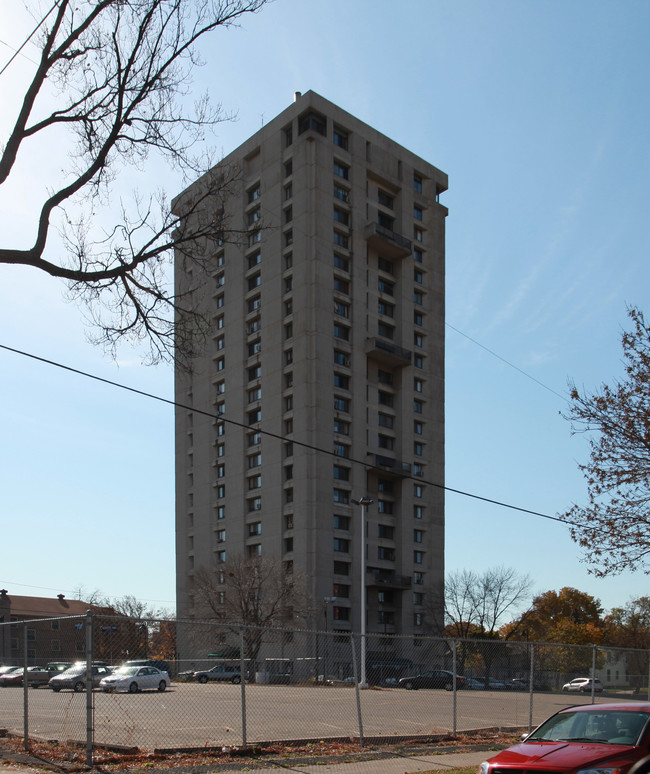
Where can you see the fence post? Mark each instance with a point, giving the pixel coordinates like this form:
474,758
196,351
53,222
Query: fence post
454,651
89,688
242,683
593,674
25,691
531,686
357,691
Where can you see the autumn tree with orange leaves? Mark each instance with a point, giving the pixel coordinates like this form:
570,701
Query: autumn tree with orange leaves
613,529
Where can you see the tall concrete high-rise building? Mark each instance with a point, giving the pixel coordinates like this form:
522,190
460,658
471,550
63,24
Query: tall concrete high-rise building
324,371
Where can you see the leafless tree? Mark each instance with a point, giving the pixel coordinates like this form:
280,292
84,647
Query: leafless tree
256,593
118,75
477,604
613,529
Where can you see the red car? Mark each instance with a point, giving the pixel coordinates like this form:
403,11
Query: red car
603,738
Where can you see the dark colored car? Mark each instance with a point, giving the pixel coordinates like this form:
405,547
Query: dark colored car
436,678
223,673
605,738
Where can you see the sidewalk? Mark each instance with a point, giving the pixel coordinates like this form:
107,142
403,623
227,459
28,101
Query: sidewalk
397,765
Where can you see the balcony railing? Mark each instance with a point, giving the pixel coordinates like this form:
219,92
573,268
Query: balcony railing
387,352
391,465
389,243
388,580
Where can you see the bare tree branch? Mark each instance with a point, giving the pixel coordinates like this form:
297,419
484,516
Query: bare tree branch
119,71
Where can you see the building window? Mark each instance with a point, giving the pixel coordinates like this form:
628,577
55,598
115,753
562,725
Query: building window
385,287
341,427
341,590
341,194
341,358
418,619
418,406
313,121
341,450
254,217
418,578
418,491
341,309
254,347
341,568
385,398
288,168
386,331
341,332
288,238
384,377
341,545
383,307
341,286
255,482
288,284
418,234
340,138
418,469
341,613
418,511
385,442
418,385
385,199
288,136
385,221
288,426
288,521
288,215
288,472
418,449
288,357
385,420
417,183
220,301
221,557
418,297
341,522
288,331
341,473
341,216
417,212
418,276
255,528
418,255
254,394
255,281
254,439
221,512
385,554
254,460
254,416
253,304
341,170
341,382
254,504
342,240
288,380
385,506
418,535
341,496
341,404
418,557
385,532
254,259
341,263
254,193
254,372
255,550
254,237
221,536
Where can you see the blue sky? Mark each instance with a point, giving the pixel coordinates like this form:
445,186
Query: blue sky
538,113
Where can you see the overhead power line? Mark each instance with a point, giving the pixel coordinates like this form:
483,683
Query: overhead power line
27,39
277,436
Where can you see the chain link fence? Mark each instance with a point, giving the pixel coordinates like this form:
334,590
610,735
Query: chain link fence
225,686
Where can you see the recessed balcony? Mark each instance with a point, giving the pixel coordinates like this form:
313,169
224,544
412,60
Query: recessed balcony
387,242
387,352
392,466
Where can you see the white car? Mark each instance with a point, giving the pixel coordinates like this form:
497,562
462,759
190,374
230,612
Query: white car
135,678
583,685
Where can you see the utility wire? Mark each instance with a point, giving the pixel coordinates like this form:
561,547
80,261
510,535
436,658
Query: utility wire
310,447
29,37
507,362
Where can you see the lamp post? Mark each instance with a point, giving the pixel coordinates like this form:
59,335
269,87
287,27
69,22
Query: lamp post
363,502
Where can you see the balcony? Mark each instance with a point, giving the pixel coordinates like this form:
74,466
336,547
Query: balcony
387,242
391,465
385,352
387,580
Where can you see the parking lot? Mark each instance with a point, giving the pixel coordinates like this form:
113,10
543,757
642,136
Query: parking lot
193,715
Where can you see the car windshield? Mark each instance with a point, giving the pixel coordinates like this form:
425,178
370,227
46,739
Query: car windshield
600,726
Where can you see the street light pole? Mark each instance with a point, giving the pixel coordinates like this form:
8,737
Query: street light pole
363,502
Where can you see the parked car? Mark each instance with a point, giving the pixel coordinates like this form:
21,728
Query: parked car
492,684
607,738
134,679
154,662
436,678
75,677
5,669
58,666
223,673
583,685
474,684
36,676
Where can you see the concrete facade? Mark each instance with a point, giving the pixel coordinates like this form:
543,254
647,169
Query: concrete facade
324,373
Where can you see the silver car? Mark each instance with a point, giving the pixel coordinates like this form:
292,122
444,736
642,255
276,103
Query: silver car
583,685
